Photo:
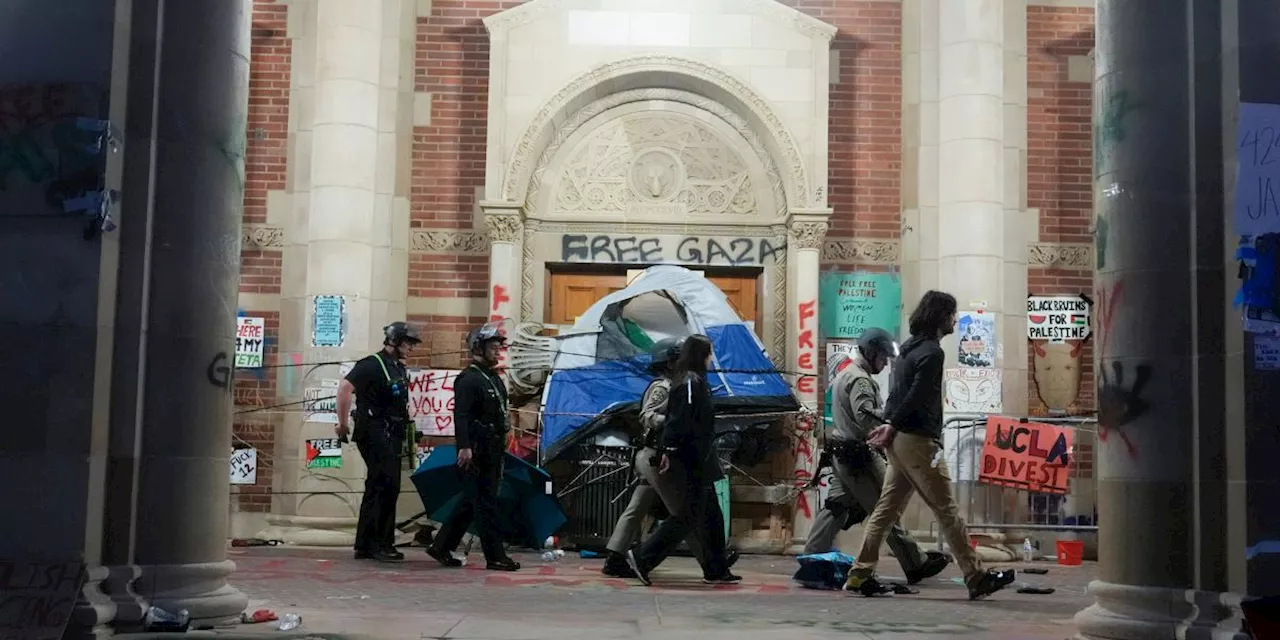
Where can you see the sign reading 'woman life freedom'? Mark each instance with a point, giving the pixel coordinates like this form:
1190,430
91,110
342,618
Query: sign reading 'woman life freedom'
1057,318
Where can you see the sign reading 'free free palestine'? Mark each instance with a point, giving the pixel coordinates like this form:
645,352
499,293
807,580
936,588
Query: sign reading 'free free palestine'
850,302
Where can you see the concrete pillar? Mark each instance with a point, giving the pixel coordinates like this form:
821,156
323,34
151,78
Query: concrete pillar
195,175
1163,283
349,164
920,62
804,263
506,237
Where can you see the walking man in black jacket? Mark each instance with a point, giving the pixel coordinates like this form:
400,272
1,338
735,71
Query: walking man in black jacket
912,439
481,423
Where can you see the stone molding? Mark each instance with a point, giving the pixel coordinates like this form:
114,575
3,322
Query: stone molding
260,237
446,241
499,23
1060,255
541,129
861,251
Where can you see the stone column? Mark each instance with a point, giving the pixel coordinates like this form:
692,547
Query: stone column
185,403
920,61
1162,281
804,264
349,165
506,237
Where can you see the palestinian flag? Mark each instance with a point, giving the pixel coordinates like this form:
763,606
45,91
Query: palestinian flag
1079,320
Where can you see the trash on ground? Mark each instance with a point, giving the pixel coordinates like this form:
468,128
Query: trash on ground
553,555
254,542
1036,591
1035,571
585,554
290,621
258,617
158,619
359,597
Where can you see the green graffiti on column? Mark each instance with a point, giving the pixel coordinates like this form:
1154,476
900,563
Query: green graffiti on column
1100,241
1109,128
233,148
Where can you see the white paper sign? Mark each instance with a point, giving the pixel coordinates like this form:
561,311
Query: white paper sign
1266,353
251,342
320,404
431,400
244,466
1057,318
329,321
1258,170
973,390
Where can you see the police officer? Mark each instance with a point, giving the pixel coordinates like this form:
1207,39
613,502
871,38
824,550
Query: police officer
481,424
859,473
380,385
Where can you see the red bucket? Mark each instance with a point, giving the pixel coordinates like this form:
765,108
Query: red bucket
1070,553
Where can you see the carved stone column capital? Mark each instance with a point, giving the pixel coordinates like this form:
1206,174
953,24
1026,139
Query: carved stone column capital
504,227
806,235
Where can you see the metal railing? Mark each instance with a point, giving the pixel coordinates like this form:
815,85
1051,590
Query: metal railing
1000,508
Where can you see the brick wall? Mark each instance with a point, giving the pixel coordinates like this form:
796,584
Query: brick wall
266,148
448,276
256,389
1059,156
865,158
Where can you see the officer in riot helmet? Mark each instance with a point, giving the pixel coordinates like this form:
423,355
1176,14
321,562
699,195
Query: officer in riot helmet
379,383
481,423
859,472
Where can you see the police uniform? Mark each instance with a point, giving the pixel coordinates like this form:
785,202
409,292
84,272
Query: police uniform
481,423
381,425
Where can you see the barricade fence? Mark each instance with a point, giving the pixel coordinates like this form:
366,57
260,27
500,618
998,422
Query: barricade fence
1024,485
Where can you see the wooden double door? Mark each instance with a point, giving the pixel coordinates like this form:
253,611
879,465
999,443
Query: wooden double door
570,294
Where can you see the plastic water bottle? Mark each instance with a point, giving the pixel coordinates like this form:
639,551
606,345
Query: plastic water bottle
549,556
1028,550
290,621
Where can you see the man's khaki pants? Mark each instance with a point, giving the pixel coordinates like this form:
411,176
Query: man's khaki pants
916,465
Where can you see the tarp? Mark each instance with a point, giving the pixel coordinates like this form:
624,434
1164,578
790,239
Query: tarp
601,367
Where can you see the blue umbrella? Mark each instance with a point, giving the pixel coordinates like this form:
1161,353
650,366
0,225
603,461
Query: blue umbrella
526,514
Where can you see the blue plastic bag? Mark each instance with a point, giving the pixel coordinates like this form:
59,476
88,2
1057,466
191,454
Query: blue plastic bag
823,570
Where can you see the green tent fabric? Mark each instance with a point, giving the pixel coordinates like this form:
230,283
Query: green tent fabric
637,336
722,495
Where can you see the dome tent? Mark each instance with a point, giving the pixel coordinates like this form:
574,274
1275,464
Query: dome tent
601,367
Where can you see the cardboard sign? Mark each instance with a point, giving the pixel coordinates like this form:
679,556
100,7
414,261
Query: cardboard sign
1026,455
251,341
244,466
431,400
36,599
1057,318
324,453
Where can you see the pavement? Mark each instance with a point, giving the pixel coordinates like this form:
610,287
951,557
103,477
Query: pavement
339,597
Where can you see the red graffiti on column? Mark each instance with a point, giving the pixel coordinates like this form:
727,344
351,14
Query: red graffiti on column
803,477
497,313
1116,405
806,382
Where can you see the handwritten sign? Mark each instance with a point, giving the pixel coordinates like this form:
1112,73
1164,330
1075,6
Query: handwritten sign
251,342
431,400
1266,353
973,390
1057,318
852,302
320,404
244,466
329,322
324,453
1026,455
1258,170
36,599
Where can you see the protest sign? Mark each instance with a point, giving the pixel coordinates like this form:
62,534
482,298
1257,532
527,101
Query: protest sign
850,302
251,342
1026,455
36,599
1257,206
324,453
431,400
244,466
1057,318
329,321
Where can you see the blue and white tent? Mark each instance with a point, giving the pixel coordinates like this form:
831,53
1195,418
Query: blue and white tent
601,366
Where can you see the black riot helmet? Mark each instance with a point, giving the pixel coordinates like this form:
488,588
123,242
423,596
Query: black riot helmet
875,341
398,333
664,352
478,337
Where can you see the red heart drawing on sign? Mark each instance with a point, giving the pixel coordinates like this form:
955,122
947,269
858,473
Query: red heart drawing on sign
444,423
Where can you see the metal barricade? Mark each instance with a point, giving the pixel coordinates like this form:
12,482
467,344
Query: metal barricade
1000,508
